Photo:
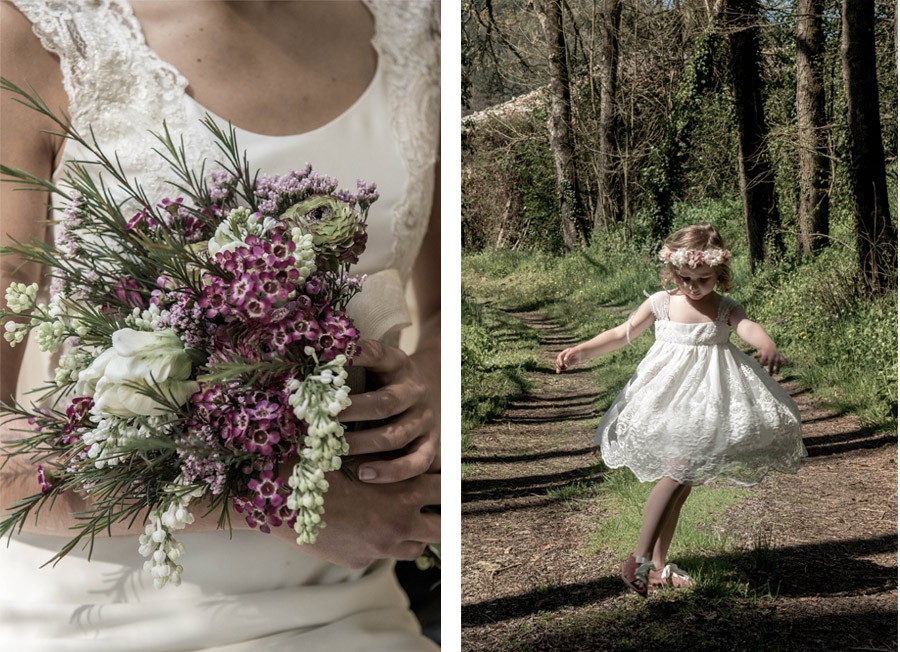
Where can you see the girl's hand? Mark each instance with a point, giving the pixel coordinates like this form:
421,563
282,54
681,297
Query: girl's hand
770,359
403,410
567,358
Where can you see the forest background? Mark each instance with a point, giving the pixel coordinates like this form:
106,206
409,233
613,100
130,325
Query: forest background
593,128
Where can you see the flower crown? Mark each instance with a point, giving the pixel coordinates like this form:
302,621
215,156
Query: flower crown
694,258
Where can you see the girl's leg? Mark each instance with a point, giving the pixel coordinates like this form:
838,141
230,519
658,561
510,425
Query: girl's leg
664,540
662,500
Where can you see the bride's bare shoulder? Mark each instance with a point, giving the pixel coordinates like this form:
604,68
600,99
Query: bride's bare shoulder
26,63
23,58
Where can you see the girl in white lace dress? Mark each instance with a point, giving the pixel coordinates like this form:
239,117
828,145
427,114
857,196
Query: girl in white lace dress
352,88
697,408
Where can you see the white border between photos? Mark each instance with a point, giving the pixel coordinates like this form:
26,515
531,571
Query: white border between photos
451,117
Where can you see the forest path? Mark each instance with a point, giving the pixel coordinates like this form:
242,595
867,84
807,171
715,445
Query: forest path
529,582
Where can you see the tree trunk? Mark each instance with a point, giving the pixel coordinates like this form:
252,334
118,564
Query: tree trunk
757,179
812,126
609,196
875,234
561,139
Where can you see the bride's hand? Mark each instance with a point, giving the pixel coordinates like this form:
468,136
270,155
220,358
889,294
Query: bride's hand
403,410
366,522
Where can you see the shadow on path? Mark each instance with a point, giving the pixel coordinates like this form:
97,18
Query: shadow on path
843,442
530,457
795,571
525,486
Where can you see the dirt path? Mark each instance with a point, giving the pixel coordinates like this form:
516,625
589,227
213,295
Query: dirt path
528,582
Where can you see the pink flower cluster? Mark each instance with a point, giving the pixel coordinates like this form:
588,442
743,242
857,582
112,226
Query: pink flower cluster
251,280
267,504
258,423
276,192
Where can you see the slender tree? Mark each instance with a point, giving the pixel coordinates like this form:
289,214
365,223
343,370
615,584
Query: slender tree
561,137
812,126
757,178
608,208
875,233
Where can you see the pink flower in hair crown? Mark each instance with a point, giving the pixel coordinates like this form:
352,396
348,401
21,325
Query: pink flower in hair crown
694,258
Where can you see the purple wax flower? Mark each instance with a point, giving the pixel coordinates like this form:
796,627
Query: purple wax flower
42,480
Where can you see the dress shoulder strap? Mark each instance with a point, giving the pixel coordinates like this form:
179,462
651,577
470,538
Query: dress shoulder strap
102,55
119,90
726,305
659,303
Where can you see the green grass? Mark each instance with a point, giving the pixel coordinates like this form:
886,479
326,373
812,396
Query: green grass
497,352
624,498
571,493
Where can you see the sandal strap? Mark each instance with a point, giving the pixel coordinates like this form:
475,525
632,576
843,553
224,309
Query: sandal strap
642,574
670,570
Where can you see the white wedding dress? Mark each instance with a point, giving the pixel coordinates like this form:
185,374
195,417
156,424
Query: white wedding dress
698,408
252,592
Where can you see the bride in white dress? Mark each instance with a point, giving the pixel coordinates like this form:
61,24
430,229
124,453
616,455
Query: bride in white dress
353,89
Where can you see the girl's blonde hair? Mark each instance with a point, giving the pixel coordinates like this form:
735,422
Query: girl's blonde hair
696,237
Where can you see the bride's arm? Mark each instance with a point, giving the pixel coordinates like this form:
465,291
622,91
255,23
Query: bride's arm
23,217
23,145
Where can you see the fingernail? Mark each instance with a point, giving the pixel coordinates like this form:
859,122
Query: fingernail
367,473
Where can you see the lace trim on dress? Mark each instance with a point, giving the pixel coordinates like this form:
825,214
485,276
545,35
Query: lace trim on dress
117,86
659,303
726,305
407,36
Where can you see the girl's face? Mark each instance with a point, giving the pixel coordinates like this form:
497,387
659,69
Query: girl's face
696,283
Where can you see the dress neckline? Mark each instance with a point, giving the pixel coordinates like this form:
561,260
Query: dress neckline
183,82
693,323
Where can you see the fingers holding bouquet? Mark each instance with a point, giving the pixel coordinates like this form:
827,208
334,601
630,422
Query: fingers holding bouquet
400,438
367,522
396,454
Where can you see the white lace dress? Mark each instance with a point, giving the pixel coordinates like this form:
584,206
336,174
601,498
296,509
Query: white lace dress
698,408
252,592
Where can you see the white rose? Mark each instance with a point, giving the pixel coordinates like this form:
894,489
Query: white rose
138,360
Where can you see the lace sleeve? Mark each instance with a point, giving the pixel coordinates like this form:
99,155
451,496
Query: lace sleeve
726,306
659,304
100,65
117,88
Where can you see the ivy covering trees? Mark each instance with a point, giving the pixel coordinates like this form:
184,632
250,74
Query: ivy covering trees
706,99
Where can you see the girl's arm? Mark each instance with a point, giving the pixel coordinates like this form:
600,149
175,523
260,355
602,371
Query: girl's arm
756,336
614,338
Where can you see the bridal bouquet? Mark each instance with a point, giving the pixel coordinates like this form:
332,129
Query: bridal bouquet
202,343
